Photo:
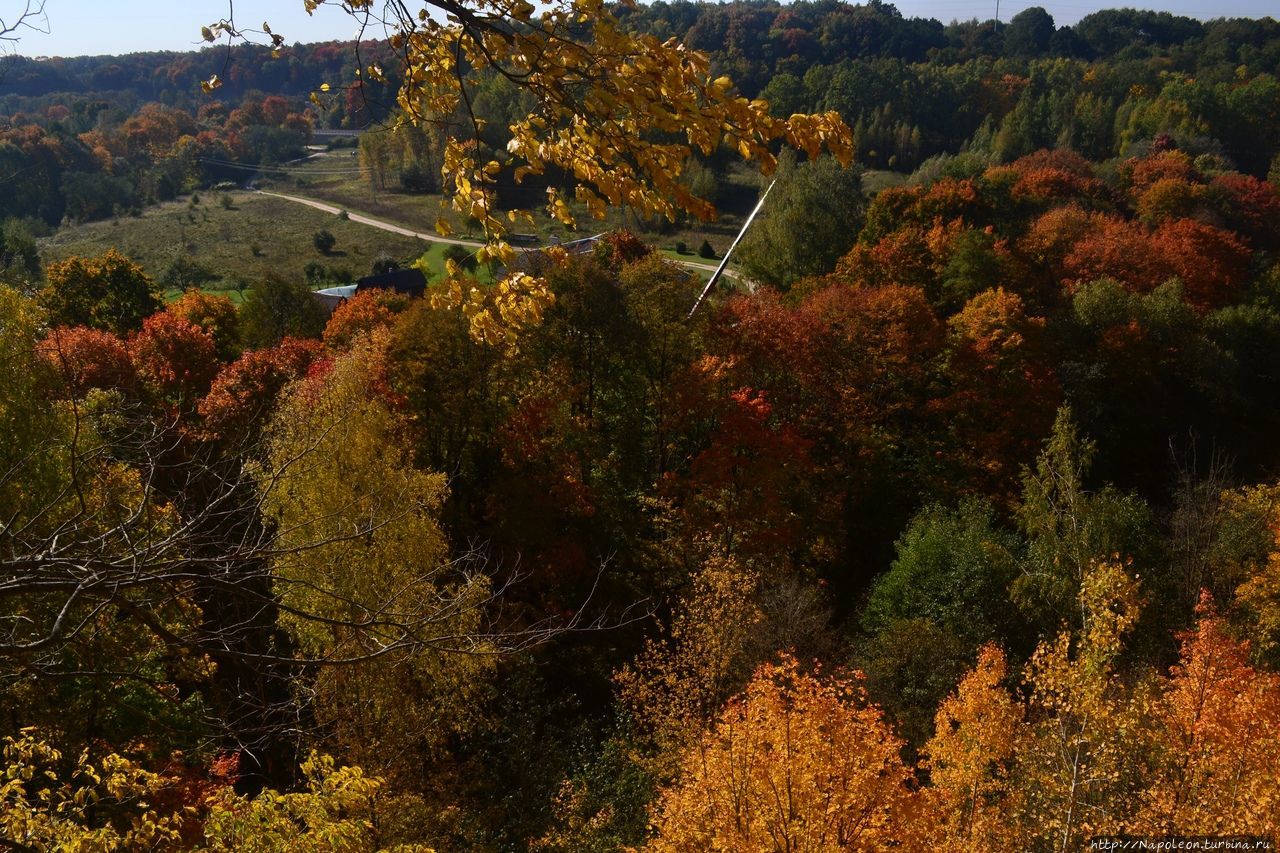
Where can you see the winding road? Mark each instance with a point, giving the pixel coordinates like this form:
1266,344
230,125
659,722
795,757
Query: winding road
428,236
369,220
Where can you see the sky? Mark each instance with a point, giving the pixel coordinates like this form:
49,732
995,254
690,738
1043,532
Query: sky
87,27
78,27
1070,11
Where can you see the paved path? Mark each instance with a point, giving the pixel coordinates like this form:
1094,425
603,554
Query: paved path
429,236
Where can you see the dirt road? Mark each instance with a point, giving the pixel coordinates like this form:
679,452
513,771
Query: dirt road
429,236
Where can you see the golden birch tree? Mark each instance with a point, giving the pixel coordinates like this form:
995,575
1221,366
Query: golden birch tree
979,730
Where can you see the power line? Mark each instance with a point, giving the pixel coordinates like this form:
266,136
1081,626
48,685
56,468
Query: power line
248,167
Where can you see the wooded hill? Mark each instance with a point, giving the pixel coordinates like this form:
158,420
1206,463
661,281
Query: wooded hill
962,527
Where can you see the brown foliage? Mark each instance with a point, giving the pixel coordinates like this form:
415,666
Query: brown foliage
1252,208
175,356
1141,174
1211,263
1004,390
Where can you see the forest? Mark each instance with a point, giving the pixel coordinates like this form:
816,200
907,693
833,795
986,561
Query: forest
953,524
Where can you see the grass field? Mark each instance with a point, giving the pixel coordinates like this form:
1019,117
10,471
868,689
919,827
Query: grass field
874,180
247,235
256,235
335,178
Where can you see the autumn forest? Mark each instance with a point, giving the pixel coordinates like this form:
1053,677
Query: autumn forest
950,520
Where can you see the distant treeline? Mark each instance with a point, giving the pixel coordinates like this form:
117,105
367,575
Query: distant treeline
914,88
173,78
87,137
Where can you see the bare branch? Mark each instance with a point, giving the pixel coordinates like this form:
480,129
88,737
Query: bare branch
189,564
31,17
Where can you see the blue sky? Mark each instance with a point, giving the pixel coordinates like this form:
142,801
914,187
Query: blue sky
78,27
97,26
1070,11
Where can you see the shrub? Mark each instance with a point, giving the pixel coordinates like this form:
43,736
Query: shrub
384,264
324,241
461,255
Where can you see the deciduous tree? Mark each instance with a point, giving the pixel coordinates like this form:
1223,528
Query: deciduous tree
1080,766
979,731
109,292
1004,388
1260,595
388,598
810,220
244,392
214,314
175,357
276,308
676,686
1216,741
953,567
797,762
89,358
1069,528
362,313
19,260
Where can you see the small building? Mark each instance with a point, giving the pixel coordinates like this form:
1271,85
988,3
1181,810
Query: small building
407,282
536,262
332,297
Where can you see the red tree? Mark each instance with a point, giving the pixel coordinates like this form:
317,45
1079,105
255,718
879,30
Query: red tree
362,313
1004,391
175,356
244,392
89,358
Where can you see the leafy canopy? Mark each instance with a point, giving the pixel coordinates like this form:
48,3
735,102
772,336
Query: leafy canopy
108,292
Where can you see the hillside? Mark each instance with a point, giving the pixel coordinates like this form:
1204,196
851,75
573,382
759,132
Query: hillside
241,242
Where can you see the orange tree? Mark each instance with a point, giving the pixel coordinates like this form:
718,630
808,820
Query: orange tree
795,763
